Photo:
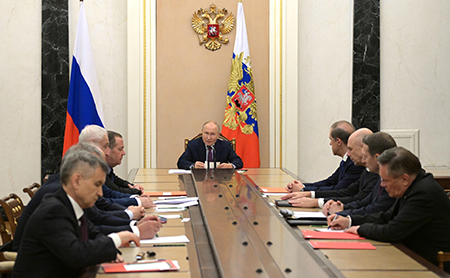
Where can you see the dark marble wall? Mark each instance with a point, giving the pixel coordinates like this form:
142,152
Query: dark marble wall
366,64
55,82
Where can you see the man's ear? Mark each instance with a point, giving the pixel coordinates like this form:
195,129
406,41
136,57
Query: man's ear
75,179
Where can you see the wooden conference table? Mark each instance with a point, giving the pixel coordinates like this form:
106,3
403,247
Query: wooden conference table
238,232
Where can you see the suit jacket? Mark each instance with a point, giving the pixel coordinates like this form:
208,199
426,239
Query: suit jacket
116,183
118,197
346,174
53,245
420,220
377,201
355,191
196,151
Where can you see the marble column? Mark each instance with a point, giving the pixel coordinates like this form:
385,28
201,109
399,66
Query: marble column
366,64
55,82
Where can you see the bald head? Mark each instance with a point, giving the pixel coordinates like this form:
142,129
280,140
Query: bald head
355,145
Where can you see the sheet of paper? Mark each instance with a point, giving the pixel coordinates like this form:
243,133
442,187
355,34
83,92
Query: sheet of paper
166,239
169,209
309,214
159,266
308,234
329,231
176,200
179,171
170,216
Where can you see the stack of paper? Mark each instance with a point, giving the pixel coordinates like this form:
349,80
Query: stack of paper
141,266
175,204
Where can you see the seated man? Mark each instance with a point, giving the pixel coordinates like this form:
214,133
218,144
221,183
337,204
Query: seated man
420,217
355,191
115,220
208,148
378,200
58,240
345,174
98,136
114,158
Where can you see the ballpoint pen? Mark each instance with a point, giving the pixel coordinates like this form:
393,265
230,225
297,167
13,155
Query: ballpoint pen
333,220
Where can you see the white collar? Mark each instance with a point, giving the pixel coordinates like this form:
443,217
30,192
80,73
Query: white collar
76,207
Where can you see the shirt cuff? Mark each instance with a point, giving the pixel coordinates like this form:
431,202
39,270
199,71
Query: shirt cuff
116,239
139,203
313,194
135,230
320,202
349,221
129,212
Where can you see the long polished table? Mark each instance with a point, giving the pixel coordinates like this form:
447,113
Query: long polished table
236,231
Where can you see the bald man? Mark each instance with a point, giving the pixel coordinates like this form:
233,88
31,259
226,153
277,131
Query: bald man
345,174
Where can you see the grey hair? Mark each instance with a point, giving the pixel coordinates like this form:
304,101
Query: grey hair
218,127
82,162
400,161
92,133
85,147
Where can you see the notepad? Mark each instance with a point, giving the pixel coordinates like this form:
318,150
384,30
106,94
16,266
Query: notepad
168,193
143,266
341,245
166,239
307,234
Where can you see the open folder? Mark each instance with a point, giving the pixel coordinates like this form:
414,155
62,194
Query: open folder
141,266
341,245
307,234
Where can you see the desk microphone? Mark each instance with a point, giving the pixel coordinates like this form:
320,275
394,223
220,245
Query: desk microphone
286,213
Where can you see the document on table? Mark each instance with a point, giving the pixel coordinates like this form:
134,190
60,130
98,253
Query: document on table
141,266
176,200
309,214
307,234
179,171
166,239
342,245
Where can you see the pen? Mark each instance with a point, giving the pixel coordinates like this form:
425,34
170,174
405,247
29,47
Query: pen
333,220
118,251
168,245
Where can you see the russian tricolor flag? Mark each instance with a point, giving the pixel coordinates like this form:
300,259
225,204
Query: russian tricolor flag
84,105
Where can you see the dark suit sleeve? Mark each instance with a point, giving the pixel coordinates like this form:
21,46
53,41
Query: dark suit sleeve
233,158
119,198
326,183
58,232
123,189
105,205
98,217
186,160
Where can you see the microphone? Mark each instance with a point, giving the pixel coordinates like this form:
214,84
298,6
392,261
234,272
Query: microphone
214,156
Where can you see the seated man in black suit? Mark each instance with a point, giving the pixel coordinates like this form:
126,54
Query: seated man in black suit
208,148
347,172
58,240
420,217
114,158
355,191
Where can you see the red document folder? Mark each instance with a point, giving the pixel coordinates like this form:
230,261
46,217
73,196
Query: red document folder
307,234
341,245
273,190
166,193
142,266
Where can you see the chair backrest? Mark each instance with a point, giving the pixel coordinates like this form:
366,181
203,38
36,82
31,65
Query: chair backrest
31,190
221,137
443,257
4,232
13,207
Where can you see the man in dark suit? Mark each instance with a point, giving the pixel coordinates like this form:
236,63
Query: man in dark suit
58,240
347,172
355,191
420,217
114,158
209,148
378,200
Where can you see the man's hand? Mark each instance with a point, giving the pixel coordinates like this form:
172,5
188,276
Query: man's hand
296,195
326,207
199,165
149,226
146,201
353,230
304,203
225,166
295,186
119,259
336,207
137,186
340,223
126,237
138,212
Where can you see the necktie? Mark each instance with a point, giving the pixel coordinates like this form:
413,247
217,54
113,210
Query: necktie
111,174
84,228
341,169
210,155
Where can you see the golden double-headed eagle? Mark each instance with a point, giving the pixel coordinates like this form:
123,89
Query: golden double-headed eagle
212,32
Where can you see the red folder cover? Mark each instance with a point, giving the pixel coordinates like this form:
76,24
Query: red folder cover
142,266
329,235
166,193
341,245
273,190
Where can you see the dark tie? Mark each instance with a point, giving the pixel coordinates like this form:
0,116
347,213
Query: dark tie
341,169
84,228
210,155
111,174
